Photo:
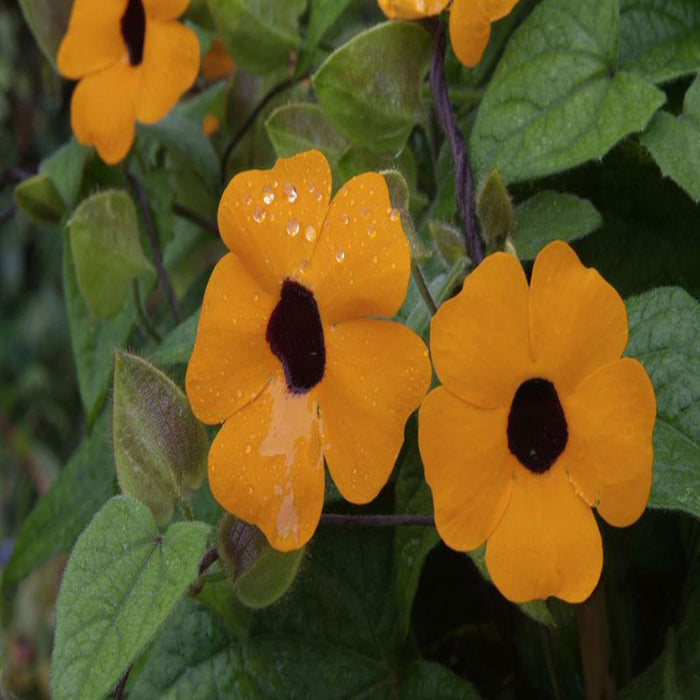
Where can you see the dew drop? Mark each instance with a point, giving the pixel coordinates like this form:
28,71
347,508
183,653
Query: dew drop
365,211
248,450
344,218
290,192
259,215
268,195
372,231
239,393
394,214
310,233
319,196
247,199
312,187
340,256
375,259
292,227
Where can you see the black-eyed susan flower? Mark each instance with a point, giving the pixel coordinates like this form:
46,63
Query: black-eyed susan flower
538,420
133,61
290,354
470,21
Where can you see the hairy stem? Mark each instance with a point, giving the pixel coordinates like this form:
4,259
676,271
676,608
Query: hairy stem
141,314
376,520
195,218
464,180
155,246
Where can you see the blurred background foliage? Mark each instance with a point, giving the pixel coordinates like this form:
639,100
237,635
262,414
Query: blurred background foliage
641,234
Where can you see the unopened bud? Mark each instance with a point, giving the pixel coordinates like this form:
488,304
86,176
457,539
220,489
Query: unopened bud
495,212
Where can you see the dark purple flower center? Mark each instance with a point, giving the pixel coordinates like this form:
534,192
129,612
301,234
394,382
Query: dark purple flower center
537,432
134,30
295,335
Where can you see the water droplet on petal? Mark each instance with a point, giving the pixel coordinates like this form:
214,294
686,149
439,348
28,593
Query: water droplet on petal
344,218
372,231
312,187
394,214
340,255
248,450
310,233
374,259
259,215
290,192
247,199
292,227
268,195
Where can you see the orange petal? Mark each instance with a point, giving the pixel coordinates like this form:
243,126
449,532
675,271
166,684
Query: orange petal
470,29
496,9
412,9
479,339
578,322
93,41
362,262
210,124
377,373
266,466
547,542
231,361
102,111
164,10
272,218
170,67
467,466
609,454
216,62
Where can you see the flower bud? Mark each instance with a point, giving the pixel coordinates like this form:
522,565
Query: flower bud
160,449
495,212
261,574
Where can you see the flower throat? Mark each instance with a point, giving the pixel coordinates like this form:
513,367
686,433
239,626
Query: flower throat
295,336
537,431
134,30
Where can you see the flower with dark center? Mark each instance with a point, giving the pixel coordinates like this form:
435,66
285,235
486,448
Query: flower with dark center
133,60
290,353
538,420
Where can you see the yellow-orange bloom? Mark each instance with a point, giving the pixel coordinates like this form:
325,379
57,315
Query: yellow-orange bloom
538,421
133,60
290,353
216,62
470,21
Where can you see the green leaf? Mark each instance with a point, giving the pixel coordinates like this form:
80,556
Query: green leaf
93,340
372,107
411,544
65,168
48,20
120,585
176,347
294,128
38,198
322,15
675,142
551,216
160,448
660,39
186,138
104,237
664,337
556,99
676,673
80,489
426,680
336,629
259,34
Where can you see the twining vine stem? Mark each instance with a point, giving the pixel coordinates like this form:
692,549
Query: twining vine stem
280,87
155,246
192,216
464,180
141,314
376,520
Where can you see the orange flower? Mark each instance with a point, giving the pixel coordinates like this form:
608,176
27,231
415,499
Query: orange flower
216,62
470,21
538,421
286,355
133,62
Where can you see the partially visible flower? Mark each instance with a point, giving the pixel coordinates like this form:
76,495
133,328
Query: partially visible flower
133,60
290,354
470,21
217,63
210,124
538,421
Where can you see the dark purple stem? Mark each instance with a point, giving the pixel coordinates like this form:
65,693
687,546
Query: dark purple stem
208,558
376,520
464,181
